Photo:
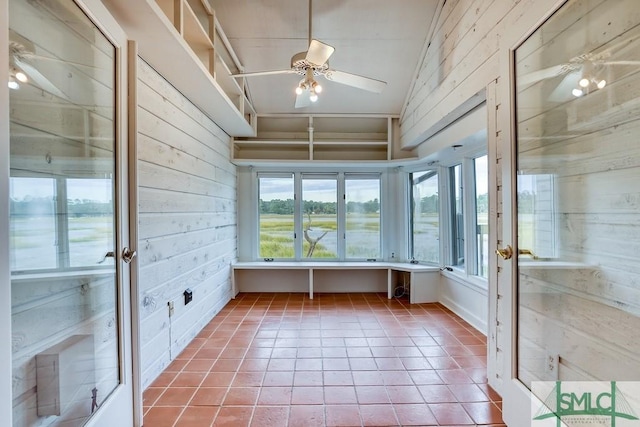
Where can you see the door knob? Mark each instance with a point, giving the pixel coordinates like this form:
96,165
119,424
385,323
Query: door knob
505,253
128,255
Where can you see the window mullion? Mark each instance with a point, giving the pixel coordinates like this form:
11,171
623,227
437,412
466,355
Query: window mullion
62,224
341,212
446,237
469,203
297,222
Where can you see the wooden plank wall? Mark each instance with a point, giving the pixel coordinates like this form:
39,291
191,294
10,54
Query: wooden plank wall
187,223
47,309
587,315
469,53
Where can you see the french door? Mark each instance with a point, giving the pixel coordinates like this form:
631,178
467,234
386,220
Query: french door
573,213
69,248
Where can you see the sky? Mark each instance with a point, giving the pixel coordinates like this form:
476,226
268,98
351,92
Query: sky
324,190
84,189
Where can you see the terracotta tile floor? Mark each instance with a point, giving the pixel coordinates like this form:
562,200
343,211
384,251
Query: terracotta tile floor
338,360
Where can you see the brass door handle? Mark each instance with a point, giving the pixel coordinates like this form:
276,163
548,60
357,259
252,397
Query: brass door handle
506,253
527,252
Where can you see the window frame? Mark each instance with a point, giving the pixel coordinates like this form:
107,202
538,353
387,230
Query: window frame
469,200
429,172
298,176
446,197
62,229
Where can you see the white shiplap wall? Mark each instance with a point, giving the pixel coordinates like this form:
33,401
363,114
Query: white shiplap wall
187,219
468,55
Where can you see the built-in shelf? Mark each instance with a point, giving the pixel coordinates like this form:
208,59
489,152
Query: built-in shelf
318,138
182,40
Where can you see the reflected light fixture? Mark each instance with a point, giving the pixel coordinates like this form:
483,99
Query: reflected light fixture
15,78
21,77
13,84
589,81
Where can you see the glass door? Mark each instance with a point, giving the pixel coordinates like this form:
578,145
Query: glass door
577,105
70,314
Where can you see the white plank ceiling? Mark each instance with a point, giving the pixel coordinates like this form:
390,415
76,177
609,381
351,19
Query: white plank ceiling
381,39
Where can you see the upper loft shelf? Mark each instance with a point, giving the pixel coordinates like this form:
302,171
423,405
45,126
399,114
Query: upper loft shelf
319,139
182,40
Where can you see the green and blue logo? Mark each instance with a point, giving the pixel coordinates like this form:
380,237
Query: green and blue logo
587,403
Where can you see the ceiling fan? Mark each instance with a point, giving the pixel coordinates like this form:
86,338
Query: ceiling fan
581,74
314,63
21,57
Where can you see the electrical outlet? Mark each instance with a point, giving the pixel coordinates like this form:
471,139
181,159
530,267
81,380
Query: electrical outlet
188,296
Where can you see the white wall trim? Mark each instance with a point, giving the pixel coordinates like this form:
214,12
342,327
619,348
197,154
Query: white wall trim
5,279
464,306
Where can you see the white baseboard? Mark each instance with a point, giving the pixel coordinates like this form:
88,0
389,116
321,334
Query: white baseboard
469,317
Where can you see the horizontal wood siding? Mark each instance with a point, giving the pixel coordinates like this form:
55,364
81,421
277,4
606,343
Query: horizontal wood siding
585,313
187,220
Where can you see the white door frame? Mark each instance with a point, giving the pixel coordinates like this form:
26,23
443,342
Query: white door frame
516,404
118,409
6,403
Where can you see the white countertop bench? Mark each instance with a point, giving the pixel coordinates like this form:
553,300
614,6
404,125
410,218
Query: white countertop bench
423,279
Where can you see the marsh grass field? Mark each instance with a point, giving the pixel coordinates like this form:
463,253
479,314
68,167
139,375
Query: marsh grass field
34,244
362,235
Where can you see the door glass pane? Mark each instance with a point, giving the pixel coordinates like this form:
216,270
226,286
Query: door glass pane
276,208
62,141
425,217
320,220
577,114
362,196
482,216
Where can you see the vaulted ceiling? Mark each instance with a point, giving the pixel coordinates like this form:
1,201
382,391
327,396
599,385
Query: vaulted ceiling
380,39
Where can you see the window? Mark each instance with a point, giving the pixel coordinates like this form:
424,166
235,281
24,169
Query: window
482,216
320,221
338,216
362,198
276,219
457,216
60,223
537,211
448,216
33,224
425,217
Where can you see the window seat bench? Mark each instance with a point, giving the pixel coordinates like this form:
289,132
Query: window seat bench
334,276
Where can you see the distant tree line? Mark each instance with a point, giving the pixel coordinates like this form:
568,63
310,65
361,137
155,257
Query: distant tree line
286,207
39,206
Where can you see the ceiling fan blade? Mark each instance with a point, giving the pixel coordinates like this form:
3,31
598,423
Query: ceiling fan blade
319,52
40,80
263,73
562,92
303,100
621,63
545,73
63,61
355,80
